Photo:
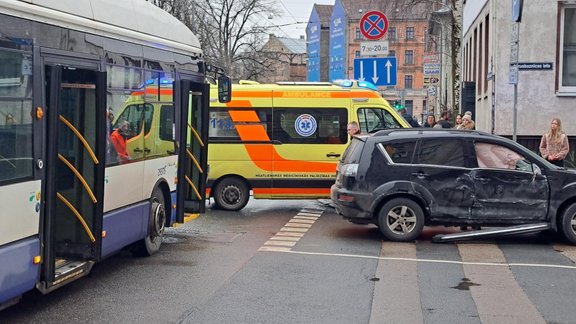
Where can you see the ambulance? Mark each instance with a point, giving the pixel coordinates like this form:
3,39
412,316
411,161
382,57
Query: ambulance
283,140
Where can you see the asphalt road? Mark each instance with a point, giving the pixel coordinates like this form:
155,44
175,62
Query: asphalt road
299,262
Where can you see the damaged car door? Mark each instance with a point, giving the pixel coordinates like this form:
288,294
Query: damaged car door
440,174
508,187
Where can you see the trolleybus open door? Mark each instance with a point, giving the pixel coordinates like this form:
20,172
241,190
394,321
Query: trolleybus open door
74,170
192,129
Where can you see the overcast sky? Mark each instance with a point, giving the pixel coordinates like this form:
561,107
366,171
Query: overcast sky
294,11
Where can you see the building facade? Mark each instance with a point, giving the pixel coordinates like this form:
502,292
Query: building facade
318,42
406,39
520,65
288,57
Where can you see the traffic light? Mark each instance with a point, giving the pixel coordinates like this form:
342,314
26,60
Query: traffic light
398,105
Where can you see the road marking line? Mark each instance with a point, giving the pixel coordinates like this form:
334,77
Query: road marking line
492,305
302,221
524,265
280,243
396,276
308,214
305,217
312,210
285,238
294,229
289,234
290,224
568,251
273,249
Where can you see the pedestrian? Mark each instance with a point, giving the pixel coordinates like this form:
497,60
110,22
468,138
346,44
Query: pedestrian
554,144
430,121
353,128
118,139
467,122
407,117
10,120
458,121
444,122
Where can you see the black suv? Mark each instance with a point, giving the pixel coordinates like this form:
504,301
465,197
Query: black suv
404,179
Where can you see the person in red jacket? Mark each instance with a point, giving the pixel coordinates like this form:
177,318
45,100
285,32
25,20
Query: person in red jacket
118,139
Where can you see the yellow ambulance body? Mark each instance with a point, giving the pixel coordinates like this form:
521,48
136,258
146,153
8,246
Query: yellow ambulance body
283,141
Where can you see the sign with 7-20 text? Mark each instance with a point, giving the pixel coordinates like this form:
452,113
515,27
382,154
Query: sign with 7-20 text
374,48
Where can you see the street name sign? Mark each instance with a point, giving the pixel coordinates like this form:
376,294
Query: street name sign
535,66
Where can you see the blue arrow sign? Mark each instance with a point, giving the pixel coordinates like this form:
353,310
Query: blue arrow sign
380,71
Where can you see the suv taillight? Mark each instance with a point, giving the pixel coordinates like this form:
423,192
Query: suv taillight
349,170
347,175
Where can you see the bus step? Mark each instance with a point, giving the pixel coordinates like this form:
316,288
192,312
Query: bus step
66,271
491,232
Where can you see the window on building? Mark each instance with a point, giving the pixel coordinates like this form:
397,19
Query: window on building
409,32
568,50
392,53
408,81
409,57
358,33
357,54
392,33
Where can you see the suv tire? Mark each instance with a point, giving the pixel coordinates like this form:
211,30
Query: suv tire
568,224
401,220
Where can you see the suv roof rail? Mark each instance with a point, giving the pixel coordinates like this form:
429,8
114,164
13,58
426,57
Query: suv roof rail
422,130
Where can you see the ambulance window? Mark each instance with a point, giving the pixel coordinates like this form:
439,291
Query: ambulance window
166,123
374,119
133,114
148,115
310,125
222,124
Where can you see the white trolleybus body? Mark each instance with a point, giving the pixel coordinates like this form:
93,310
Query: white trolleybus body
67,68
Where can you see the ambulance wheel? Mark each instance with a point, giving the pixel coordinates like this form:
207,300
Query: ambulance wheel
568,224
231,194
156,225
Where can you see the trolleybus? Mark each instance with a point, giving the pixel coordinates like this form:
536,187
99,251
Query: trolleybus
67,201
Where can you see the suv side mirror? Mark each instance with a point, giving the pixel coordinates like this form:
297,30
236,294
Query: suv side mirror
224,89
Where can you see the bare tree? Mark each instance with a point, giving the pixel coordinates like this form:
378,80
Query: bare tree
231,32
181,9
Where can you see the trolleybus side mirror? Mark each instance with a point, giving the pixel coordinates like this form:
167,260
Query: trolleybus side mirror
224,89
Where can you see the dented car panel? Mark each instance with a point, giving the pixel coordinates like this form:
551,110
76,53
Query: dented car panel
453,178
451,191
510,196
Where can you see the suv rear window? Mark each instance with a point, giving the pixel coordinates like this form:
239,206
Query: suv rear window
400,152
353,151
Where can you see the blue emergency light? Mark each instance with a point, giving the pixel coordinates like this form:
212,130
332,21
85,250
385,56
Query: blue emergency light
355,84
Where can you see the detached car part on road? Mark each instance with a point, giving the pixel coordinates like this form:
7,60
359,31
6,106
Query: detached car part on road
404,179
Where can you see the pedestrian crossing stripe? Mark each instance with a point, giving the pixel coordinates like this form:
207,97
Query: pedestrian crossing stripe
292,231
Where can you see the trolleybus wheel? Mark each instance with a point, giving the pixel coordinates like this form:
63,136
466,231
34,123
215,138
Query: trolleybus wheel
156,224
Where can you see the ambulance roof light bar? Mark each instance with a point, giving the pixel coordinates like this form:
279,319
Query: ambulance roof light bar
345,83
